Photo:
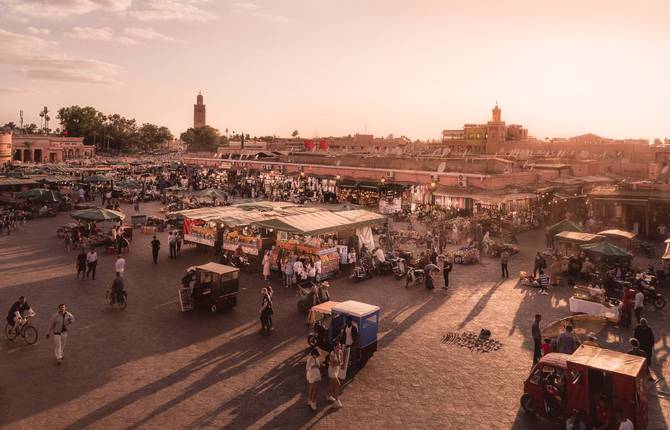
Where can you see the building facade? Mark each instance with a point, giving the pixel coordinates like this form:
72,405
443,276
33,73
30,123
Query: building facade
199,112
483,138
33,148
5,147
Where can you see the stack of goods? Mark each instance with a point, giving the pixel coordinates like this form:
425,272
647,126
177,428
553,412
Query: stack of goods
330,262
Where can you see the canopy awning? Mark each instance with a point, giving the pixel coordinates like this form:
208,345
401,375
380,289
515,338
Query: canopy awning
618,233
606,249
322,222
576,237
608,360
565,225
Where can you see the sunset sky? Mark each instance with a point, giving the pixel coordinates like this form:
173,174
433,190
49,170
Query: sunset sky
333,67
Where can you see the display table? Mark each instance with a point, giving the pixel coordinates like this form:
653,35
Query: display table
594,308
249,248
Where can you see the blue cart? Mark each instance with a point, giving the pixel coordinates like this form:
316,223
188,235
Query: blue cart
329,327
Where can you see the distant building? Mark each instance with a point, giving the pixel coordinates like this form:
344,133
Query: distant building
5,147
37,148
483,138
199,112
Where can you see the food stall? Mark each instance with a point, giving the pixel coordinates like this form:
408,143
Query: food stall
592,301
571,240
318,234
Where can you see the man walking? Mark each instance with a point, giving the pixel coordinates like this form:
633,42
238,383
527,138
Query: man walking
540,263
120,265
81,264
537,339
639,304
172,243
447,267
155,247
59,328
504,259
645,336
92,261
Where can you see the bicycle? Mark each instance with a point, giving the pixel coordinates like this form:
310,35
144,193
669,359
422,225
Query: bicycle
111,298
27,331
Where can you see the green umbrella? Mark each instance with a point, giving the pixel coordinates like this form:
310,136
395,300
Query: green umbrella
97,214
41,195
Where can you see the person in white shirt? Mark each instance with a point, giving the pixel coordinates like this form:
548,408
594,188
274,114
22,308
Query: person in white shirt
59,326
334,364
639,304
313,367
317,268
299,270
92,262
624,423
311,271
82,194
120,265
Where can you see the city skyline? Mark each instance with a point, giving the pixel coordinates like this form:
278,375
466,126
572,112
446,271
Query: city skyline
335,69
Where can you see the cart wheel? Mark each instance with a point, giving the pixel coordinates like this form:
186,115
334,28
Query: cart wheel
9,332
30,335
124,303
213,309
527,404
311,340
458,259
659,302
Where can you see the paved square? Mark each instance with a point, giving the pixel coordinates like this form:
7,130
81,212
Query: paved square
154,367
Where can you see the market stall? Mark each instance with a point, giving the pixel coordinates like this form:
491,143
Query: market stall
592,301
571,240
606,252
317,235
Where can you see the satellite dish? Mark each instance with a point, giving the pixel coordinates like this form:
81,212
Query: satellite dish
442,167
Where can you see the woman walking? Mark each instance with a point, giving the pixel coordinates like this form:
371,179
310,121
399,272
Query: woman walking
266,266
265,312
334,364
313,377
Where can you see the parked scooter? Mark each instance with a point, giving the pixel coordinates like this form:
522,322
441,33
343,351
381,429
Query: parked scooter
651,295
399,267
361,272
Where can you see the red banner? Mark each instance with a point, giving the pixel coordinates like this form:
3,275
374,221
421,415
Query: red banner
324,144
309,145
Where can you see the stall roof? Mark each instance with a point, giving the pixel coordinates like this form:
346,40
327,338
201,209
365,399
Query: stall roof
618,233
356,309
10,182
216,268
265,205
576,237
564,225
608,360
322,222
606,249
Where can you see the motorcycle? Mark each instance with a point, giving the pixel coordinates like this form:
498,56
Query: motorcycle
116,298
415,276
361,272
651,295
306,294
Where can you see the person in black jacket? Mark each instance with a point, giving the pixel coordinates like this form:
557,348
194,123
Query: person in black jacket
81,264
155,247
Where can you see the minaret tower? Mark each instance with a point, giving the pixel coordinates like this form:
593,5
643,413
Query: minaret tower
199,112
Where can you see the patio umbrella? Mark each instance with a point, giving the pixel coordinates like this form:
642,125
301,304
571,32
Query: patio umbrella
41,195
212,193
605,249
97,214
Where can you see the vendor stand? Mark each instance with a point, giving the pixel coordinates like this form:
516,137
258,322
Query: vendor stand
571,240
592,301
603,252
318,234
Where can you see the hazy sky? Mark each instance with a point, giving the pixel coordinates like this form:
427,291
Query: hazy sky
333,67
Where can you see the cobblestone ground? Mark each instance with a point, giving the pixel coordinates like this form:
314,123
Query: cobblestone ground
154,367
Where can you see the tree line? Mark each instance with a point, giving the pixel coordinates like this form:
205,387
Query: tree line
112,133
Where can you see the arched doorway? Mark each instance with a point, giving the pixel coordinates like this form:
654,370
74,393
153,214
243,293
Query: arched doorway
52,157
27,155
17,155
38,156
70,153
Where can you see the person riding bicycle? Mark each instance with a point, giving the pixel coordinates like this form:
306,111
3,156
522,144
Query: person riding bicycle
15,316
118,291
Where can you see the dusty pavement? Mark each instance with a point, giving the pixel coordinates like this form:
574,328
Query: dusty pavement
154,367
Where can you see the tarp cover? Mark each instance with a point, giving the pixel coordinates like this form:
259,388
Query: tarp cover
608,360
605,249
575,237
618,233
322,222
